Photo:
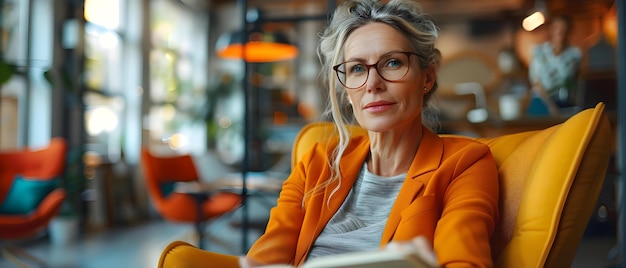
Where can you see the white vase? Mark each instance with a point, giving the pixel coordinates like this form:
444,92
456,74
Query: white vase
63,230
510,107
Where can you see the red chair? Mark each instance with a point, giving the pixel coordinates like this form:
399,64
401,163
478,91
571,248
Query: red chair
163,172
29,192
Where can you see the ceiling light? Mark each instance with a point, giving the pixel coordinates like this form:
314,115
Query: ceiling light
537,16
260,47
533,21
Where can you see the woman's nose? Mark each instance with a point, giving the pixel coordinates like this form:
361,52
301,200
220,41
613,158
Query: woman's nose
374,80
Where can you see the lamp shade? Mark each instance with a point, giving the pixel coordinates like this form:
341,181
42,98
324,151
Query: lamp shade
261,47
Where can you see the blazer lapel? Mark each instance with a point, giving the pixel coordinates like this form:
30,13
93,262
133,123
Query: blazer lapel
427,159
350,167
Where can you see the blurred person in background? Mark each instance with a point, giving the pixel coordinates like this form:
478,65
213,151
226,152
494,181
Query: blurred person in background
553,70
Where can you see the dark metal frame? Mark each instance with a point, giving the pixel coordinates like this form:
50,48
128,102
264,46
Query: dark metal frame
621,130
243,4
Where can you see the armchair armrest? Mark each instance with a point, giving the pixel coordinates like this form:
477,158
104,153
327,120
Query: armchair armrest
182,254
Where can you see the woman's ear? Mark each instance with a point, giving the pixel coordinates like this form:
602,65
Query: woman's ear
431,77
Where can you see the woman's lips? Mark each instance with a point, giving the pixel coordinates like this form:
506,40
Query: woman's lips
378,106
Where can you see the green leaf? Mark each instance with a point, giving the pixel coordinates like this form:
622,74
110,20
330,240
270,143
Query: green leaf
6,72
48,76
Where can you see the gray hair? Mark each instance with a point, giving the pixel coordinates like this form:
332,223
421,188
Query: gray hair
404,15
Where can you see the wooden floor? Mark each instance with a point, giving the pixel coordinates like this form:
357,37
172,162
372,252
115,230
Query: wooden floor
140,246
137,246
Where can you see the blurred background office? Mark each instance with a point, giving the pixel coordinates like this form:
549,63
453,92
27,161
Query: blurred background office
112,77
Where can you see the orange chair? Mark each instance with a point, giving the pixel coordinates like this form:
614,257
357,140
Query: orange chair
162,172
29,193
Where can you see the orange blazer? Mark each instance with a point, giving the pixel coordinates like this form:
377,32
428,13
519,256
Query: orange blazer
450,196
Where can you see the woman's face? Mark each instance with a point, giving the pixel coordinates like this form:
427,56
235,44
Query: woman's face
380,105
558,33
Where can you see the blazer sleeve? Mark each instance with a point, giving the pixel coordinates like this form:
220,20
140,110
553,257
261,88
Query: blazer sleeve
469,209
279,242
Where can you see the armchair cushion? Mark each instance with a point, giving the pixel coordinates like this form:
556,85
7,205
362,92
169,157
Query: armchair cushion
26,194
183,254
167,187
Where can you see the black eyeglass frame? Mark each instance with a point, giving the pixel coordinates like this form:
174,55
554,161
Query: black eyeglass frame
375,66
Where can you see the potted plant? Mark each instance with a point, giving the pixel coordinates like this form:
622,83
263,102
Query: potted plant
65,228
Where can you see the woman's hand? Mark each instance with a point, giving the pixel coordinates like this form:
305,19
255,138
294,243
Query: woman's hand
418,246
245,262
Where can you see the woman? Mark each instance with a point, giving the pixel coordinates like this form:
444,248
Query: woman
553,69
401,181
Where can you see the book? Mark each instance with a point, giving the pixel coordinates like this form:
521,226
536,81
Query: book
376,259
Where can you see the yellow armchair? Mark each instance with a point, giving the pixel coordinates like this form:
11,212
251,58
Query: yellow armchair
550,180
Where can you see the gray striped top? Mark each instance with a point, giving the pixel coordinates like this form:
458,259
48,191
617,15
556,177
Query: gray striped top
358,224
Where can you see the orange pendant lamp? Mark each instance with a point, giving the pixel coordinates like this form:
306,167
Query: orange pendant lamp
260,47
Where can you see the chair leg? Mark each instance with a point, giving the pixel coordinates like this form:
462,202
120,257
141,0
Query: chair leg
200,229
199,198
15,255
204,238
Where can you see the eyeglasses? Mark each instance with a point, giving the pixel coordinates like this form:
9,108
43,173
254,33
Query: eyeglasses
391,67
